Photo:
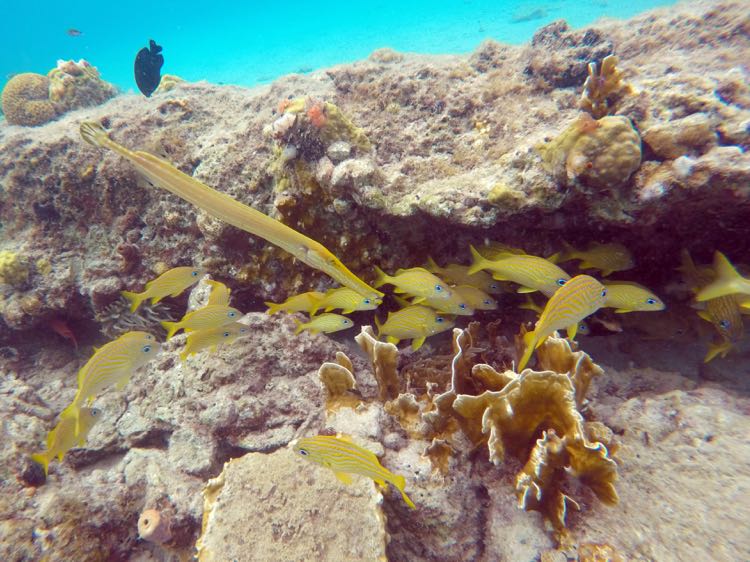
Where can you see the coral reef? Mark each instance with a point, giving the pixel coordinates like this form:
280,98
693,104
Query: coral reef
33,99
77,84
386,161
26,100
602,153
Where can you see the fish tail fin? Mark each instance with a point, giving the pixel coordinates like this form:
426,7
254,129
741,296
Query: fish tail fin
478,261
554,258
135,299
94,134
431,265
726,282
300,326
43,459
529,339
170,327
273,308
400,482
378,324
568,253
381,278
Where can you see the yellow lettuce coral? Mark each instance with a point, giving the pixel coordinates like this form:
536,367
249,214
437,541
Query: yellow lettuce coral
26,100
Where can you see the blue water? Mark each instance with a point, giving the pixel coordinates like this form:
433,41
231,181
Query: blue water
252,42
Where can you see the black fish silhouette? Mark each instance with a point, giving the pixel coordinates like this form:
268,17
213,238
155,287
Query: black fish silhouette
148,64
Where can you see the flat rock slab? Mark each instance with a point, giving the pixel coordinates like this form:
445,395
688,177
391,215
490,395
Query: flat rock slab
279,507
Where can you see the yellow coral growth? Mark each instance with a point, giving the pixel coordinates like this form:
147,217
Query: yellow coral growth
338,381
384,358
26,100
13,269
555,354
601,86
601,153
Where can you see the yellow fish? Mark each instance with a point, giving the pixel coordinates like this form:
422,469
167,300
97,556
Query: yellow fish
344,457
578,298
206,318
475,298
607,258
531,272
219,293
625,296
416,281
497,250
722,312
718,349
63,437
457,274
212,338
170,283
414,322
161,173
326,323
112,364
727,281
456,304
303,302
345,299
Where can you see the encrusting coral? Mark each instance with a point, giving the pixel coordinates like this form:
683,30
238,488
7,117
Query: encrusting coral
26,100
600,153
14,270
77,84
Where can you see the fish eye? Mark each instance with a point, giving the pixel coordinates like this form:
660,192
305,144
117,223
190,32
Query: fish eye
194,273
232,314
650,301
494,286
95,412
367,301
226,334
487,301
438,288
561,282
725,324
346,321
604,292
149,337
146,349
439,319
462,306
303,452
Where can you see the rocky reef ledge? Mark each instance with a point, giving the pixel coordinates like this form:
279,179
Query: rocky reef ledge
385,161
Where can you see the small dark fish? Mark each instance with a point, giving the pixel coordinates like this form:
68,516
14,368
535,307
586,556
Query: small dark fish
74,32
529,15
148,63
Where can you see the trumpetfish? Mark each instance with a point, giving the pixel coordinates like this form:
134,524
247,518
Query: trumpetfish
223,207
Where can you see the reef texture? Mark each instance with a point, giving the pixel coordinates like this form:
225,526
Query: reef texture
387,161
372,158
304,513
33,99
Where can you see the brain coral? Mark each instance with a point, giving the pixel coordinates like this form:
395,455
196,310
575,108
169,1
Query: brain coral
26,100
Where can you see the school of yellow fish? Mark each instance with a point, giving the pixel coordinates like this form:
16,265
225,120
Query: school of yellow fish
114,363
429,299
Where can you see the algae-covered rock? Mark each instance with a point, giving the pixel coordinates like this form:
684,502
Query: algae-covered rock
279,507
77,84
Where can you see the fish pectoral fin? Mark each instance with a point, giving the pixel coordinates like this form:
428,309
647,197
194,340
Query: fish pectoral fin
416,343
705,315
526,290
499,277
392,339
572,330
417,300
343,477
